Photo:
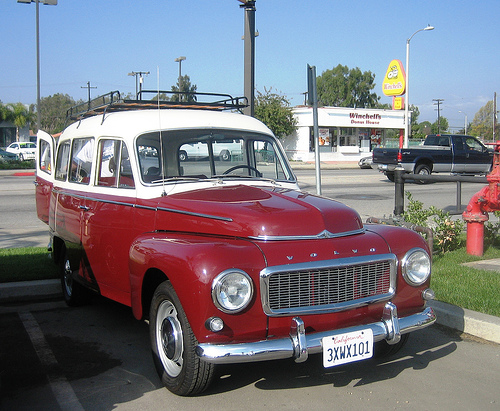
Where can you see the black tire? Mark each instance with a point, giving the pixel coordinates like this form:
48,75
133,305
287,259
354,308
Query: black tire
74,293
390,175
225,155
173,345
183,156
383,349
423,169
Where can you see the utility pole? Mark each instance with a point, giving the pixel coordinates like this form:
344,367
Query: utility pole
438,103
138,74
88,87
494,114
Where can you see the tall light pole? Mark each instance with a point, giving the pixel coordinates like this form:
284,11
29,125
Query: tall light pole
465,123
50,2
180,60
249,61
407,104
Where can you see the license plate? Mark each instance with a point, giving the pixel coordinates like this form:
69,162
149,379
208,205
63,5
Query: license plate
349,347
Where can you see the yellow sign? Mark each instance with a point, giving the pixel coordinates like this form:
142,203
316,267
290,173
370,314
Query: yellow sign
398,103
394,80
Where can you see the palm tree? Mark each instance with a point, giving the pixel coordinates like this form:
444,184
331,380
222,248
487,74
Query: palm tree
19,115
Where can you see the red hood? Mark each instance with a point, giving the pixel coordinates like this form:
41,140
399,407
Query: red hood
247,211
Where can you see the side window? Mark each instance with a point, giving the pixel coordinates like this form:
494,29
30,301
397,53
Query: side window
473,144
267,161
81,160
148,151
114,168
44,157
62,161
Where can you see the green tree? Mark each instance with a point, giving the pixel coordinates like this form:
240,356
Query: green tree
482,125
53,112
19,115
184,86
441,127
275,112
344,87
424,128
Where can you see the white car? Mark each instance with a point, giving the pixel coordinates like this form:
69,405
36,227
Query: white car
24,150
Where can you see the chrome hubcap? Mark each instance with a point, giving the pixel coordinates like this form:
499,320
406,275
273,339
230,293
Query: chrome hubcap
169,338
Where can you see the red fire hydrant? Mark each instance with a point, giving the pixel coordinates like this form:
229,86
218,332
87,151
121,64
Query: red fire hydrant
484,201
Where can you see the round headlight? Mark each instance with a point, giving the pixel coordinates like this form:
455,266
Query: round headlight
232,290
416,266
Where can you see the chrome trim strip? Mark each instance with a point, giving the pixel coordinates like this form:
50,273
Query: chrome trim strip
169,210
318,265
323,234
288,347
213,217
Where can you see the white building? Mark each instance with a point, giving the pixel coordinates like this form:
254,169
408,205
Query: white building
345,134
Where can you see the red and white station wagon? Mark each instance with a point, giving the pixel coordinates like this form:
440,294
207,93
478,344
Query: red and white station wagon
225,256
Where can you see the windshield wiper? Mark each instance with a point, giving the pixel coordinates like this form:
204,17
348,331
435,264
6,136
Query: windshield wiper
238,176
178,178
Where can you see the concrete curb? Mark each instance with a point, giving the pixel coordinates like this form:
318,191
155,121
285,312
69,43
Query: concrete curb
19,172
471,322
30,291
477,324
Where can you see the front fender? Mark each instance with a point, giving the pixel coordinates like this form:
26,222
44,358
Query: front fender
191,262
400,240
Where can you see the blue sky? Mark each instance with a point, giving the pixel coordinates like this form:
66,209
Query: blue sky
101,41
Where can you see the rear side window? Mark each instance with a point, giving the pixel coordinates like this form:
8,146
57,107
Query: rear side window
114,168
82,154
62,161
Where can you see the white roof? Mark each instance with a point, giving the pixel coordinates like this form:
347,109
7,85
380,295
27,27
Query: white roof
129,124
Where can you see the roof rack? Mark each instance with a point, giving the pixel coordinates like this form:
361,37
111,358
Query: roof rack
112,102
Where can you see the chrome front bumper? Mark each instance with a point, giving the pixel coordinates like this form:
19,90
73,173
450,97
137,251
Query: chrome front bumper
299,345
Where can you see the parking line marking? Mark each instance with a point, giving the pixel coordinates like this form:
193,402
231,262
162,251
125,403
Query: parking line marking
60,386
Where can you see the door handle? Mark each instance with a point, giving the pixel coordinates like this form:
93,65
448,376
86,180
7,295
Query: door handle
84,208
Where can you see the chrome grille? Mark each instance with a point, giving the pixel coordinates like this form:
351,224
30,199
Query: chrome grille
327,286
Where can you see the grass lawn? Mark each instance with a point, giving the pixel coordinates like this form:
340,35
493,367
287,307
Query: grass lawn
477,290
25,264
467,287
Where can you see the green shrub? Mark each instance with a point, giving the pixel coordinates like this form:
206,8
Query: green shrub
446,232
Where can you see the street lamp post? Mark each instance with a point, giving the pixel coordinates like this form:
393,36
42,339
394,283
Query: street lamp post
465,123
180,60
50,2
249,59
407,104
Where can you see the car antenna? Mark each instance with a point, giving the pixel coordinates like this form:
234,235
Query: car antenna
162,164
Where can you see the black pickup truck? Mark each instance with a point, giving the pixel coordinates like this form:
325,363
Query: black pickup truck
440,153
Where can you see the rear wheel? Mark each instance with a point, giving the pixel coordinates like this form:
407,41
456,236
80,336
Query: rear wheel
423,169
173,345
74,293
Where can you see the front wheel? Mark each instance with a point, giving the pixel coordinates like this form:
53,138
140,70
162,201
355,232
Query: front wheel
383,349
173,345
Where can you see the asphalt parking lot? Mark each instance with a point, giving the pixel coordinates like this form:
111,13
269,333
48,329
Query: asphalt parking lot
97,357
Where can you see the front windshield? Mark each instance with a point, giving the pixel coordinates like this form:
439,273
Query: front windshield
200,154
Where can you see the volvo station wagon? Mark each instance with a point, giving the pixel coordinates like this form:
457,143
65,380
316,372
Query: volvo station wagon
224,256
